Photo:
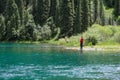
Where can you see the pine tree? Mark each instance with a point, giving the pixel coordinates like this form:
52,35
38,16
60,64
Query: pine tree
42,11
67,17
55,11
21,9
109,3
84,15
102,13
117,8
90,12
2,27
95,9
38,19
77,27
2,6
27,3
12,20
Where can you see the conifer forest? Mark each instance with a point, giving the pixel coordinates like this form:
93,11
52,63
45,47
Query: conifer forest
37,20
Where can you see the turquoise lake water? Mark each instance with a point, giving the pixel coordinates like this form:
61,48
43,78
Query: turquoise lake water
49,62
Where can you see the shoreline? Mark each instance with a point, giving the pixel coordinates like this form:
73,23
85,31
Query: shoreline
93,48
86,48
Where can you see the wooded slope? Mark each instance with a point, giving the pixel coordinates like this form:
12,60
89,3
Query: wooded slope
52,19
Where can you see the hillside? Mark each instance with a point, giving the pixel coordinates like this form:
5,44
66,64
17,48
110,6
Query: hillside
38,20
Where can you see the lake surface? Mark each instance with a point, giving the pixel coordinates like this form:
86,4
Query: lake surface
49,62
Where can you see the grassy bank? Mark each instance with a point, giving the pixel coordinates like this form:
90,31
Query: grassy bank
105,37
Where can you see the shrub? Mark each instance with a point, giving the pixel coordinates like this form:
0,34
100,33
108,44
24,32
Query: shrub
118,20
102,33
91,40
116,37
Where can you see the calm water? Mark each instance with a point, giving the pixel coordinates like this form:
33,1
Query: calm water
48,62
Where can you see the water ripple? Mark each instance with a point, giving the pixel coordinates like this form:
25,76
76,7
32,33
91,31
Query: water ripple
41,72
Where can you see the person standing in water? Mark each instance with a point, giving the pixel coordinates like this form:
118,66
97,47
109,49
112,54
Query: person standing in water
81,43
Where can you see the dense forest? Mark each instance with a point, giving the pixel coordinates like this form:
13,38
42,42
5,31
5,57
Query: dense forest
52,19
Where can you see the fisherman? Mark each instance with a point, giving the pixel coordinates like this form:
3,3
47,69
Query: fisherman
81,43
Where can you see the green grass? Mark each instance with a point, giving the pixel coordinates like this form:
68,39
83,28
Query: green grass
72,41
108,43
103,34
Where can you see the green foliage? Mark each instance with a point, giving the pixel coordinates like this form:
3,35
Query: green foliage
98,12
94,36
57,35
84,15
12,20
116,37
109,3
45,32
67,17
117,8
118,20
2,6
95,10
101,33
102,13
77,25
21,10
54,19
41,12
109,17
29,28
108,43
2,26
91,40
